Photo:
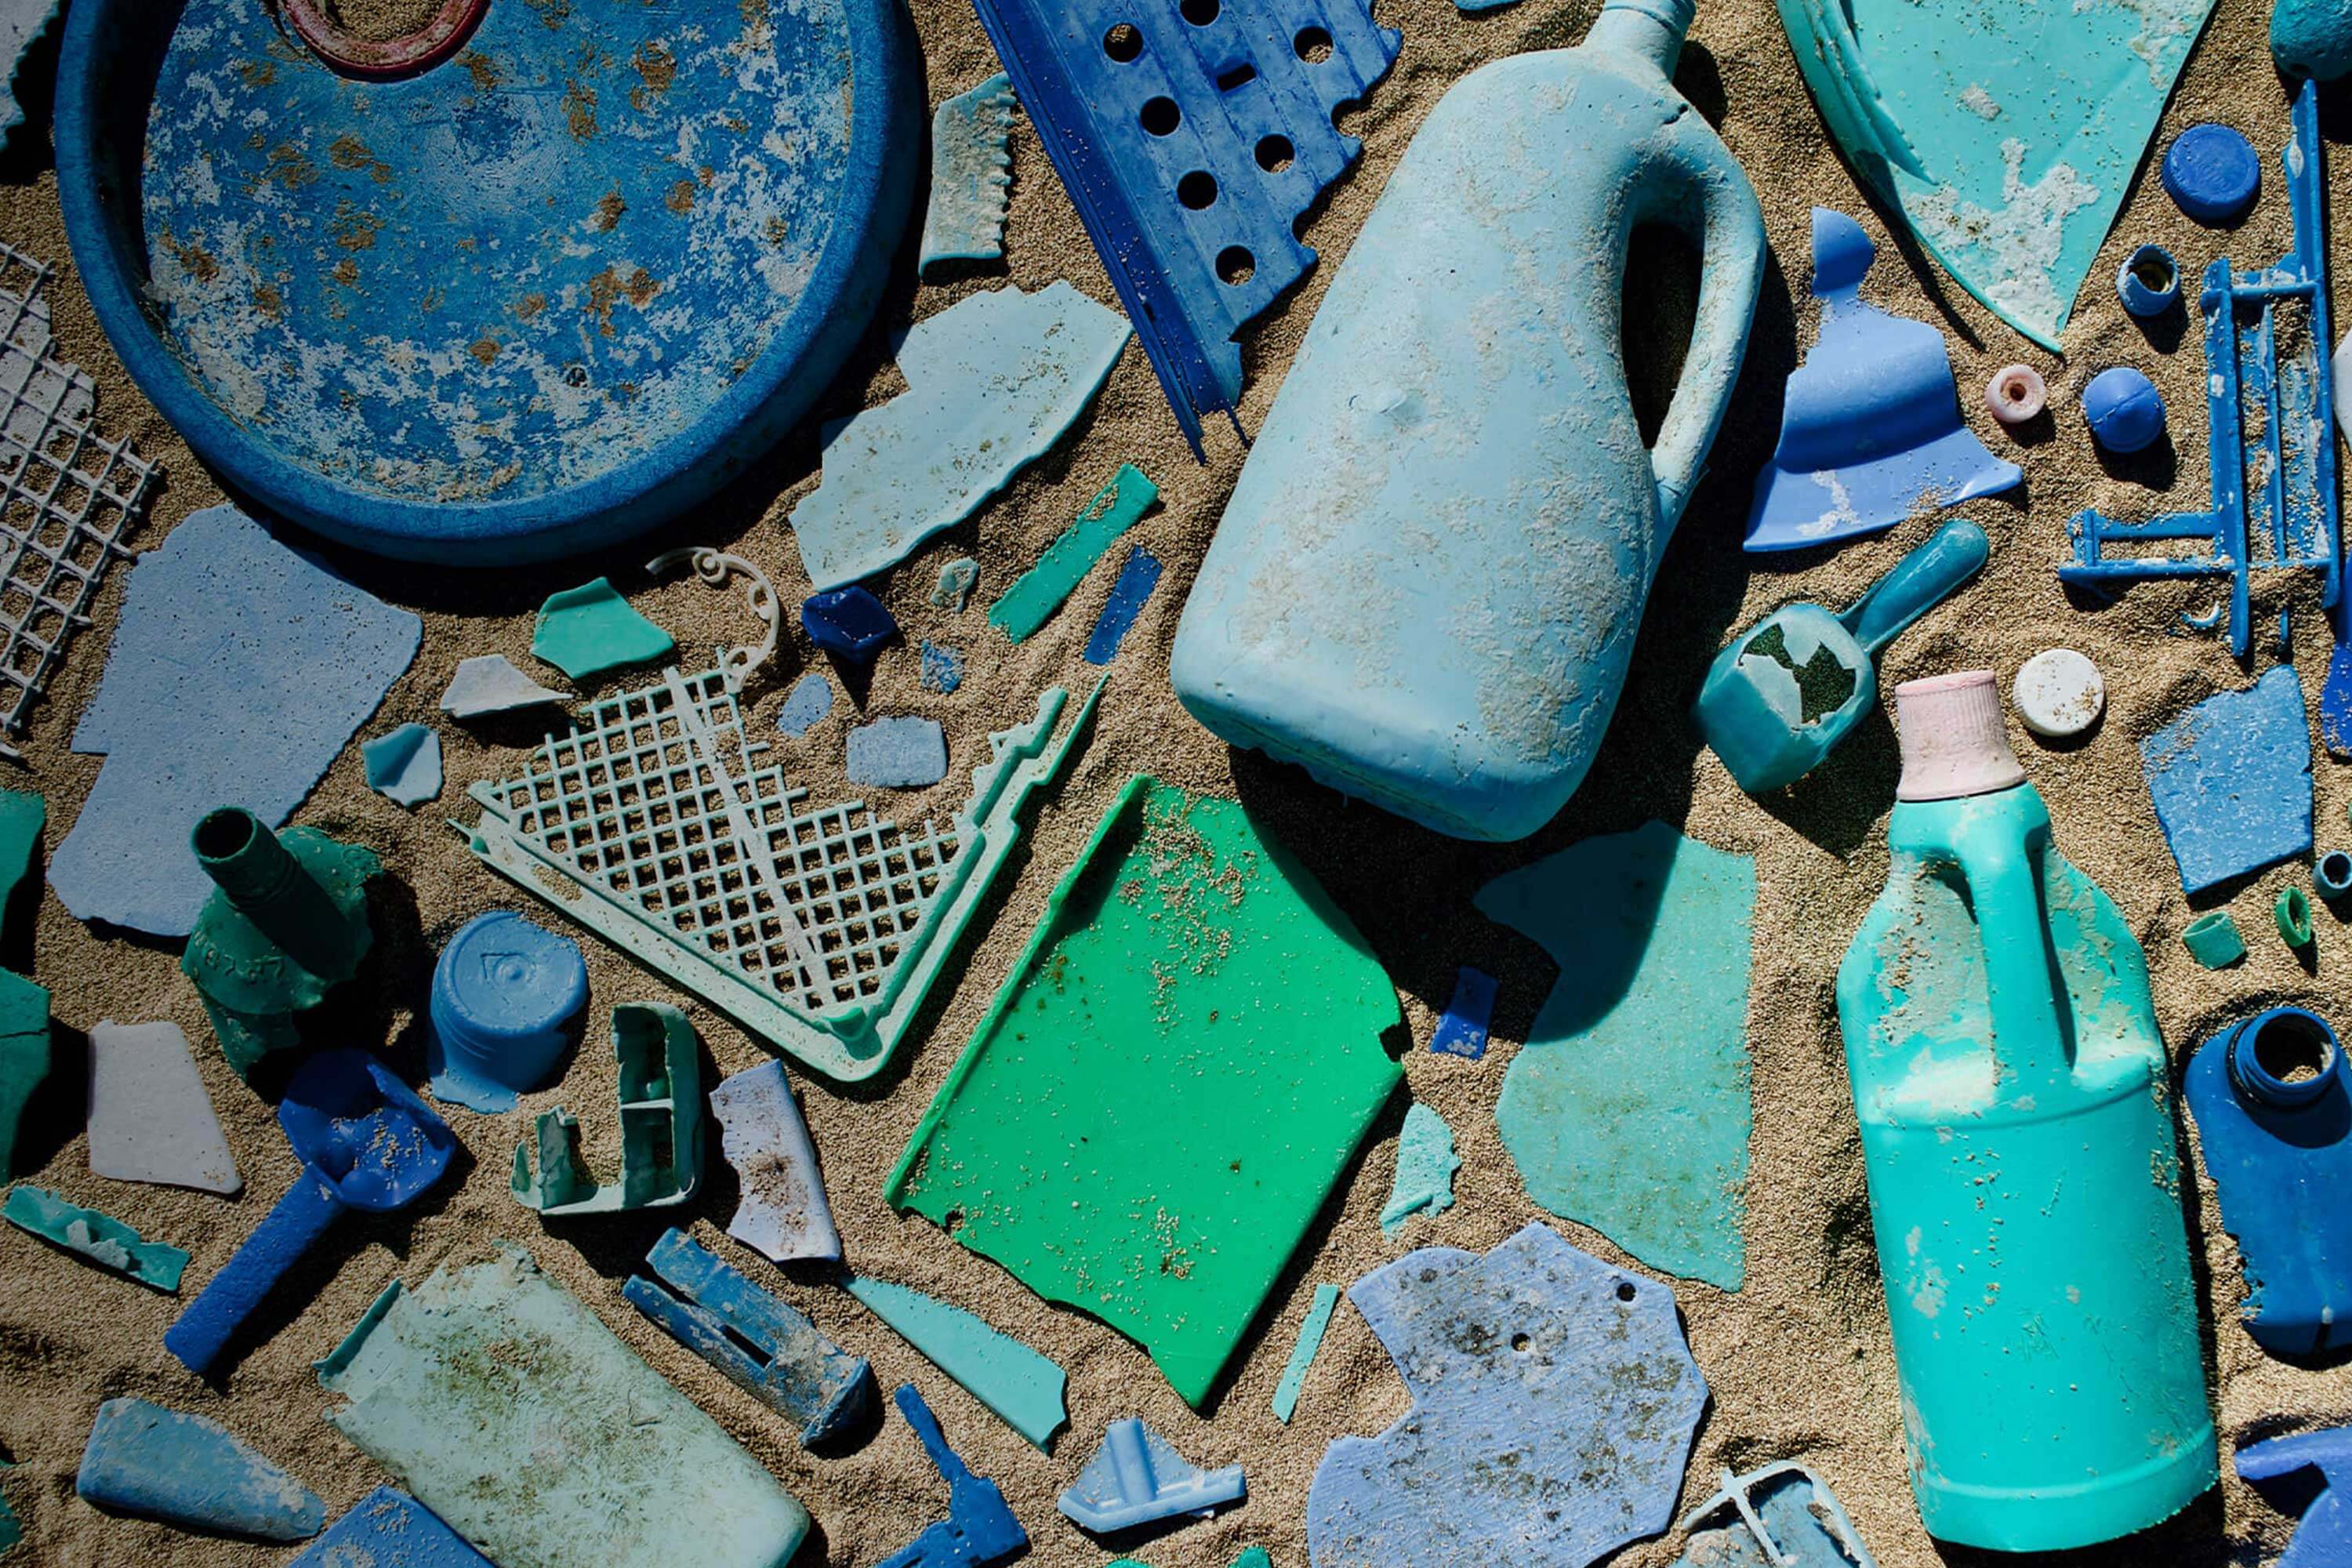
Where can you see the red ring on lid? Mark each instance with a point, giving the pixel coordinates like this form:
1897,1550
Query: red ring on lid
383,60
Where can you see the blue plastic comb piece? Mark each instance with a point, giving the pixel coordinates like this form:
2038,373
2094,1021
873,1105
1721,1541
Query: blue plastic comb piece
2323,1539
979,1529
1189,148
1137,577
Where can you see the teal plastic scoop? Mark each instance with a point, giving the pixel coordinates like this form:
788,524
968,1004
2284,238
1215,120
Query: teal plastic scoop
1779,699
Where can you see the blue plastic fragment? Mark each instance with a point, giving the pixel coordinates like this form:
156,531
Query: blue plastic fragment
1492,1351
94,1236
1424,1170
1137,575
389,1529
809,702
943,668
192,1472
2231,781
1303,1352
506,996
979,1529
405,766
850,622
1462,1030
2211,174
239,671
2323,1539
1137,1477
898,753
2149,282
2124,411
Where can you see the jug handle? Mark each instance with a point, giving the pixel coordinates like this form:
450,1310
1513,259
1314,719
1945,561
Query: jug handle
1731,234
1918,582
2021,975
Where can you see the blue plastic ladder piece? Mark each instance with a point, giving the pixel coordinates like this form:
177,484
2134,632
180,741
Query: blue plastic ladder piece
1189,148
979,1529
2294,496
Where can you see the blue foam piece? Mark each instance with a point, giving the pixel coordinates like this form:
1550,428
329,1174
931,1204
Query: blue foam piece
979,1529
898,753
504,996
187,1471
1137,1477
2211,174
2231,781
1492,1350
850,621
1461,1031
2323,1539
403,766
809,702
388,1529
943,668
241,668
1137,575
2124,410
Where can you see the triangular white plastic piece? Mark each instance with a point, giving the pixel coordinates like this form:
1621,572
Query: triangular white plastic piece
149,1118
491,684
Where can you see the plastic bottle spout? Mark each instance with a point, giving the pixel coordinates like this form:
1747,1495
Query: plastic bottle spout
1952,738
270,887
1652,30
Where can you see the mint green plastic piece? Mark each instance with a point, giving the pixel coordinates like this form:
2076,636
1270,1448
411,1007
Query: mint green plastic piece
501,1403
2213,939
1424,1170
1021,1385
1303,1352
23,815
1037,593
1169,1086
661,1125
589,630
96,1238
23,1055
2292,913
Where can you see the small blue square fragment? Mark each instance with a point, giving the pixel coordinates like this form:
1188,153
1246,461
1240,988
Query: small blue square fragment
2231,781
898,753
850,621
809,702
943,668
1137,578
1461,1032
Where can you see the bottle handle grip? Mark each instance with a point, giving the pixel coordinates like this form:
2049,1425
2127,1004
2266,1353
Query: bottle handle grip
2029,1039
1730,236
204,1330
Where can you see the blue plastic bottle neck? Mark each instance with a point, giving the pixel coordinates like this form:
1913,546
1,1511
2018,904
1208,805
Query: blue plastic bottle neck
2268,1046
1650,30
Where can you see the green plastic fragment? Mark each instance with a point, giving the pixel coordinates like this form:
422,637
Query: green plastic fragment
1021,1385
1170,1085
1303,1352
95,1238
1424,1171
2293,914
11,1532
23,815
661,1125
2212,940
23,1055
1034,597
589,630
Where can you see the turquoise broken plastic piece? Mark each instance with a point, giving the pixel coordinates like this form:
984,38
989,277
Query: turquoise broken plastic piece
956,578
388,1529
1303,1352
1137,1477
405,766
1648,1146
96,1238
24,1055
1424,1170
971,169
980,1529
589,630
187,1471
1022,1386
661,1125
1037,593
2311,38
2213,941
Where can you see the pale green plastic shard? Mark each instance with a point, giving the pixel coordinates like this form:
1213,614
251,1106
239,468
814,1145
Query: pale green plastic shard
661,1125
1037,593
11,1532
589,630
500,1403
1169,1086
23,1055
98,1237
1018,1383
1303,1352
1628,1110
1424,1171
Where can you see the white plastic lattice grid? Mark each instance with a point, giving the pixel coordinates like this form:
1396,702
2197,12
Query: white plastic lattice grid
655,797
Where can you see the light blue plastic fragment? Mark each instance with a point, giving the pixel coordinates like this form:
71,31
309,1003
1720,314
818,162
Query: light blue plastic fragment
1475,5
1461,1031
1136,1477
898,753
2231,781
1302,1352
192,1472
992,382
389,1529
96,1238
22,22
1782,1516
958,578
1424,1170
405,766
809,702
1628,1109
589,630
943,668
971,169
1137,577
996,1369
1536,1363
239,671
11,1532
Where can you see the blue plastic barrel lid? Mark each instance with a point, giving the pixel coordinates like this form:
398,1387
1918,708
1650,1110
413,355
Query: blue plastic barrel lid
503,992
2211,174
2125,413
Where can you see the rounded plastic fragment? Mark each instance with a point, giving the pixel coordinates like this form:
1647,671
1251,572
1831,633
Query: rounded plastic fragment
2311,38
2213,174
2149,281
2016,394
2058,693
2293,912
2332,874
2125,413
2212,940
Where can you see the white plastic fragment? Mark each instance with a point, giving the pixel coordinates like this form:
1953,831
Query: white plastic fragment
491,684
149,1118
2059,693
781,1214
714,567
971,169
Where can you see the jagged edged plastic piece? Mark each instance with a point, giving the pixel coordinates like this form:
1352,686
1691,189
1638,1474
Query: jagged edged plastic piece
24,1055
23,815
94,1238
850,621
902,753
1303,1352
958,578
972,171
781,1211
150,1117
763,1345
1137,575
991,383
1424,1170
11,1532
22,23
1783,1516
589,630
389,1529
810,700
1037,593
1492,1350
979,1529
403,766
491,684
661,1125
189,1471
1461,1029
2323,1538
1137,1477
1022,1386
2231,781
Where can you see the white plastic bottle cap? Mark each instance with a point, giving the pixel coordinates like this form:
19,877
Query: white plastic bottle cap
2059,693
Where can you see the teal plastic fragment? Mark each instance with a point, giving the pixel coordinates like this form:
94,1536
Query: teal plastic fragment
23,815
2213,939
1302,1352
1022,1386
1628,1110
153,1463
11,1532
506,1408
94,1236
661,1125
589,630
405,766
958,578
23,1055
971,169
1424,1170
1037,593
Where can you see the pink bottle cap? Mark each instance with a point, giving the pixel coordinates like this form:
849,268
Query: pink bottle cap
1954,742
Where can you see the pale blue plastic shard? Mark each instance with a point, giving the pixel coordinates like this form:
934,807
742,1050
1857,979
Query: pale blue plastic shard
898,753
2231,781
809,702
2309,1473
1628,1109
404,766
1137,1477
1462,1030
1015,1382
22,23
388,1529
95,1238
943,668
1492,1351
1424,1170
992,382
1782,1516
1137,577
1303,1350
192,1472
972,171
239,671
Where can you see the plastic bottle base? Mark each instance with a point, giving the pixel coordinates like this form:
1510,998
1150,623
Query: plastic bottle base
2060,1519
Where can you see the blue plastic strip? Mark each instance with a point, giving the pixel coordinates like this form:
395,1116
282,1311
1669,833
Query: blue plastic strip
1137,577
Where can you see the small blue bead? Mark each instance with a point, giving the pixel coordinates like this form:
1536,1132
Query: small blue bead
2213,174
2125,413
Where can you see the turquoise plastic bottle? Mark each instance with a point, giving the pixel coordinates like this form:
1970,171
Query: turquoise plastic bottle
2017,1129
1428,581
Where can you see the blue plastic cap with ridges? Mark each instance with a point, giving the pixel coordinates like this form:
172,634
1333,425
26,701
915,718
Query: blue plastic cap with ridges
2211,174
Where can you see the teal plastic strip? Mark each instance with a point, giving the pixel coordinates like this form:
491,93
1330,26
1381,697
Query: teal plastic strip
94,1238
1015,1382
1034,597
1302,1354
1424,1170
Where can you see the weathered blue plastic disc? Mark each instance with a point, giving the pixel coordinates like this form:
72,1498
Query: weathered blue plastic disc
2211,174
537,297
2124,410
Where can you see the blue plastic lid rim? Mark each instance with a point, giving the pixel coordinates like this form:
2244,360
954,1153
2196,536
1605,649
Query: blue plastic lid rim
2255,1081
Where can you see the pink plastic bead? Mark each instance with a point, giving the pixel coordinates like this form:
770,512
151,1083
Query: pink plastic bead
2016,394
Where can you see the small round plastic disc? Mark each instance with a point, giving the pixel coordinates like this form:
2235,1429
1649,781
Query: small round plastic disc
2016,394
2059,693
2211,174
2126,412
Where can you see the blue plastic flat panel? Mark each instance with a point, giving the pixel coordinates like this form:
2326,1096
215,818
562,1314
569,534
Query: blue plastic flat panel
189,1470
1137,577
2231,781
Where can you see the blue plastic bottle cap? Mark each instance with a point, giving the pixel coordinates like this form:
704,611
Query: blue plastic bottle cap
503,992
2332,874
2149,281
2212,173
2125,414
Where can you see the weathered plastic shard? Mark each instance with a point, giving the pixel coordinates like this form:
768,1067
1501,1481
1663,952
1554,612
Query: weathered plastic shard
24,1055
810,700
1783,1516
149,1118
992,382
2231,781
646,1477
2285,1471
2006,136
1137,575
1189,986
763,1345
898,753
1492,1350
979,1529
403,766
506,997
1303,1352
1424,1170
780,1212
23,815
661,1125
1461,1029
1137,1477
192,1472
972,171
22,22
850,621
1651,932
589,630
958,578
389,1529
943,668
1021,1385
240,669
95,1238
491,684
1871,431
1037,593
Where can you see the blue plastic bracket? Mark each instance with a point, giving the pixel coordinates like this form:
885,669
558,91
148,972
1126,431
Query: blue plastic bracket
1137,1477
979,1529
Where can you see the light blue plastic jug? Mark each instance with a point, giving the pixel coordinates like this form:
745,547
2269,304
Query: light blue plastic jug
1428,581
